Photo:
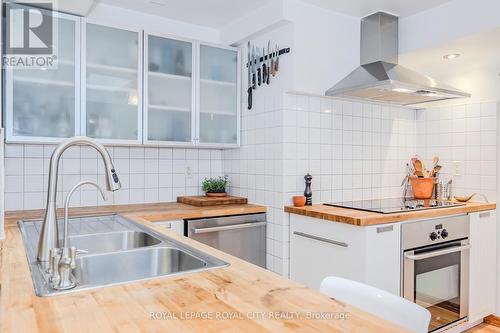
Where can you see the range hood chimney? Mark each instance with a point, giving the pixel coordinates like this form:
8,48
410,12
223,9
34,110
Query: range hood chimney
379,78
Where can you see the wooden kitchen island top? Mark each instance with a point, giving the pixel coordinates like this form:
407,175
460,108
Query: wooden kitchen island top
364,218
164,211
238,298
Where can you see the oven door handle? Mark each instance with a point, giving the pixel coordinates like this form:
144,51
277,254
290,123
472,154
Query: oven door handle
437,253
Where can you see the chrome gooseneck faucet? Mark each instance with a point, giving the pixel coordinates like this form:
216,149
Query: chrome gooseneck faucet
49,233
63,260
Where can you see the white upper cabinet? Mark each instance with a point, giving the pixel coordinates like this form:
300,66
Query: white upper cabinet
169,102
111,103
218,95
42,103
125,86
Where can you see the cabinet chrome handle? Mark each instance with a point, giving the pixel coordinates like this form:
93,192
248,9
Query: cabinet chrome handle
228,227
321,239
437,253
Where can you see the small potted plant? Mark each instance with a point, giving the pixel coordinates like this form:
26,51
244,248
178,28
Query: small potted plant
215,187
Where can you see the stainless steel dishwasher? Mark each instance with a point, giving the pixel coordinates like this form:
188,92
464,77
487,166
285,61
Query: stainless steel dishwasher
243,236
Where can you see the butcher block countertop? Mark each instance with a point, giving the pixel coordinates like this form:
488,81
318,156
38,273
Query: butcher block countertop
165,211
364,218
238,298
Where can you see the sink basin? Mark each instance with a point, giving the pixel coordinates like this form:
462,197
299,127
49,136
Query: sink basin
119,251
141,264
113,241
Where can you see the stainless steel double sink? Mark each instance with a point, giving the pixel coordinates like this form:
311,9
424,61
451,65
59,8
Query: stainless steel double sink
119,251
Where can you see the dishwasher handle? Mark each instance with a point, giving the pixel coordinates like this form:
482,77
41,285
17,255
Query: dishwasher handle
228,227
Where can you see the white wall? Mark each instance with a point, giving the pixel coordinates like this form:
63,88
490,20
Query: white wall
324,44
466,134
452,20
128,18
326,48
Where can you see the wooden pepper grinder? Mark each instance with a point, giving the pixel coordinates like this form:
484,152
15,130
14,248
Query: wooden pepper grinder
308,192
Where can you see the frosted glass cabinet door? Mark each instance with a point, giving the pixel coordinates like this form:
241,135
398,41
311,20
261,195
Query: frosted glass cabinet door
42,102
169,88
218,104
112,98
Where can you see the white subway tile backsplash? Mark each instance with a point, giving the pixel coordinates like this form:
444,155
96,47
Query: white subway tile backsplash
146,174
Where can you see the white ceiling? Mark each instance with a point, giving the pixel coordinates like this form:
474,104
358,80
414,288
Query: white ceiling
210,13
362,8
476,71
217,13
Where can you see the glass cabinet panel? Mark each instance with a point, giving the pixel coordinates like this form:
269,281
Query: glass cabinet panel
218,119
169,89
112,83
42,101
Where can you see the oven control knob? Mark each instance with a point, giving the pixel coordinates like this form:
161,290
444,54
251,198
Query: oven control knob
433,236
444,233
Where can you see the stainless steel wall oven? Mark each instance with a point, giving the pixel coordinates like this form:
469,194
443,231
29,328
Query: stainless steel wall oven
435,268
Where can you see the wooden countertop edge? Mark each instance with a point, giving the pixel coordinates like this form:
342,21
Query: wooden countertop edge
362,218
163,211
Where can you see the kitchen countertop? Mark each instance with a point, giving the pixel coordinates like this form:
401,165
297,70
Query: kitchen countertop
155,212
251,299
364,218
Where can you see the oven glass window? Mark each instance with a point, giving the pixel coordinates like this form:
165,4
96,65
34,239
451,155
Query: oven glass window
437,288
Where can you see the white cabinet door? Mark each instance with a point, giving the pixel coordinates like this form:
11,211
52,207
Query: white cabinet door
42,104
383,257
320,248
111,103
218,96
483,265
169,85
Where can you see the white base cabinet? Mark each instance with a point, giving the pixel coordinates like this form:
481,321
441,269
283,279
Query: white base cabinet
320,248
372,255
483,265
176,226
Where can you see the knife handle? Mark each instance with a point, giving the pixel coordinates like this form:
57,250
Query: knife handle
249,91
264,73
259,76
253,81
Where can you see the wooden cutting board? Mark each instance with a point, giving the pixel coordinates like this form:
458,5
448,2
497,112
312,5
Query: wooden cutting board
204,201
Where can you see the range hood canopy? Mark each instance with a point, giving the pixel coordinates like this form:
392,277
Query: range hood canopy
380,78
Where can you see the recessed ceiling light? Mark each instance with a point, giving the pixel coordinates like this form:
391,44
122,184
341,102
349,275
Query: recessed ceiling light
402,90
451,56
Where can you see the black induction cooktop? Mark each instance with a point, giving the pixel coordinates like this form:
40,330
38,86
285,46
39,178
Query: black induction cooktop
394,205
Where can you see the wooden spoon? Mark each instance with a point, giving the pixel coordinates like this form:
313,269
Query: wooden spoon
436,170
465,198
418,169
435,161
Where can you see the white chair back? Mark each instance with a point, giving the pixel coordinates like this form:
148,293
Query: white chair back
378,302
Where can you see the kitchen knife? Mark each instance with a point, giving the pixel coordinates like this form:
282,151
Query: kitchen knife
264,66
250,88
277,62
272,62
257,64
268,61
254,73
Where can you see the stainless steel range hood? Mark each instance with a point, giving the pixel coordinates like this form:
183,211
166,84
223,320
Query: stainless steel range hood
380,78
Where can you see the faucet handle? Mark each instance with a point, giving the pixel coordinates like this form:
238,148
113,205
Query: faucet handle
52,260
72,257
53,271
73,252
